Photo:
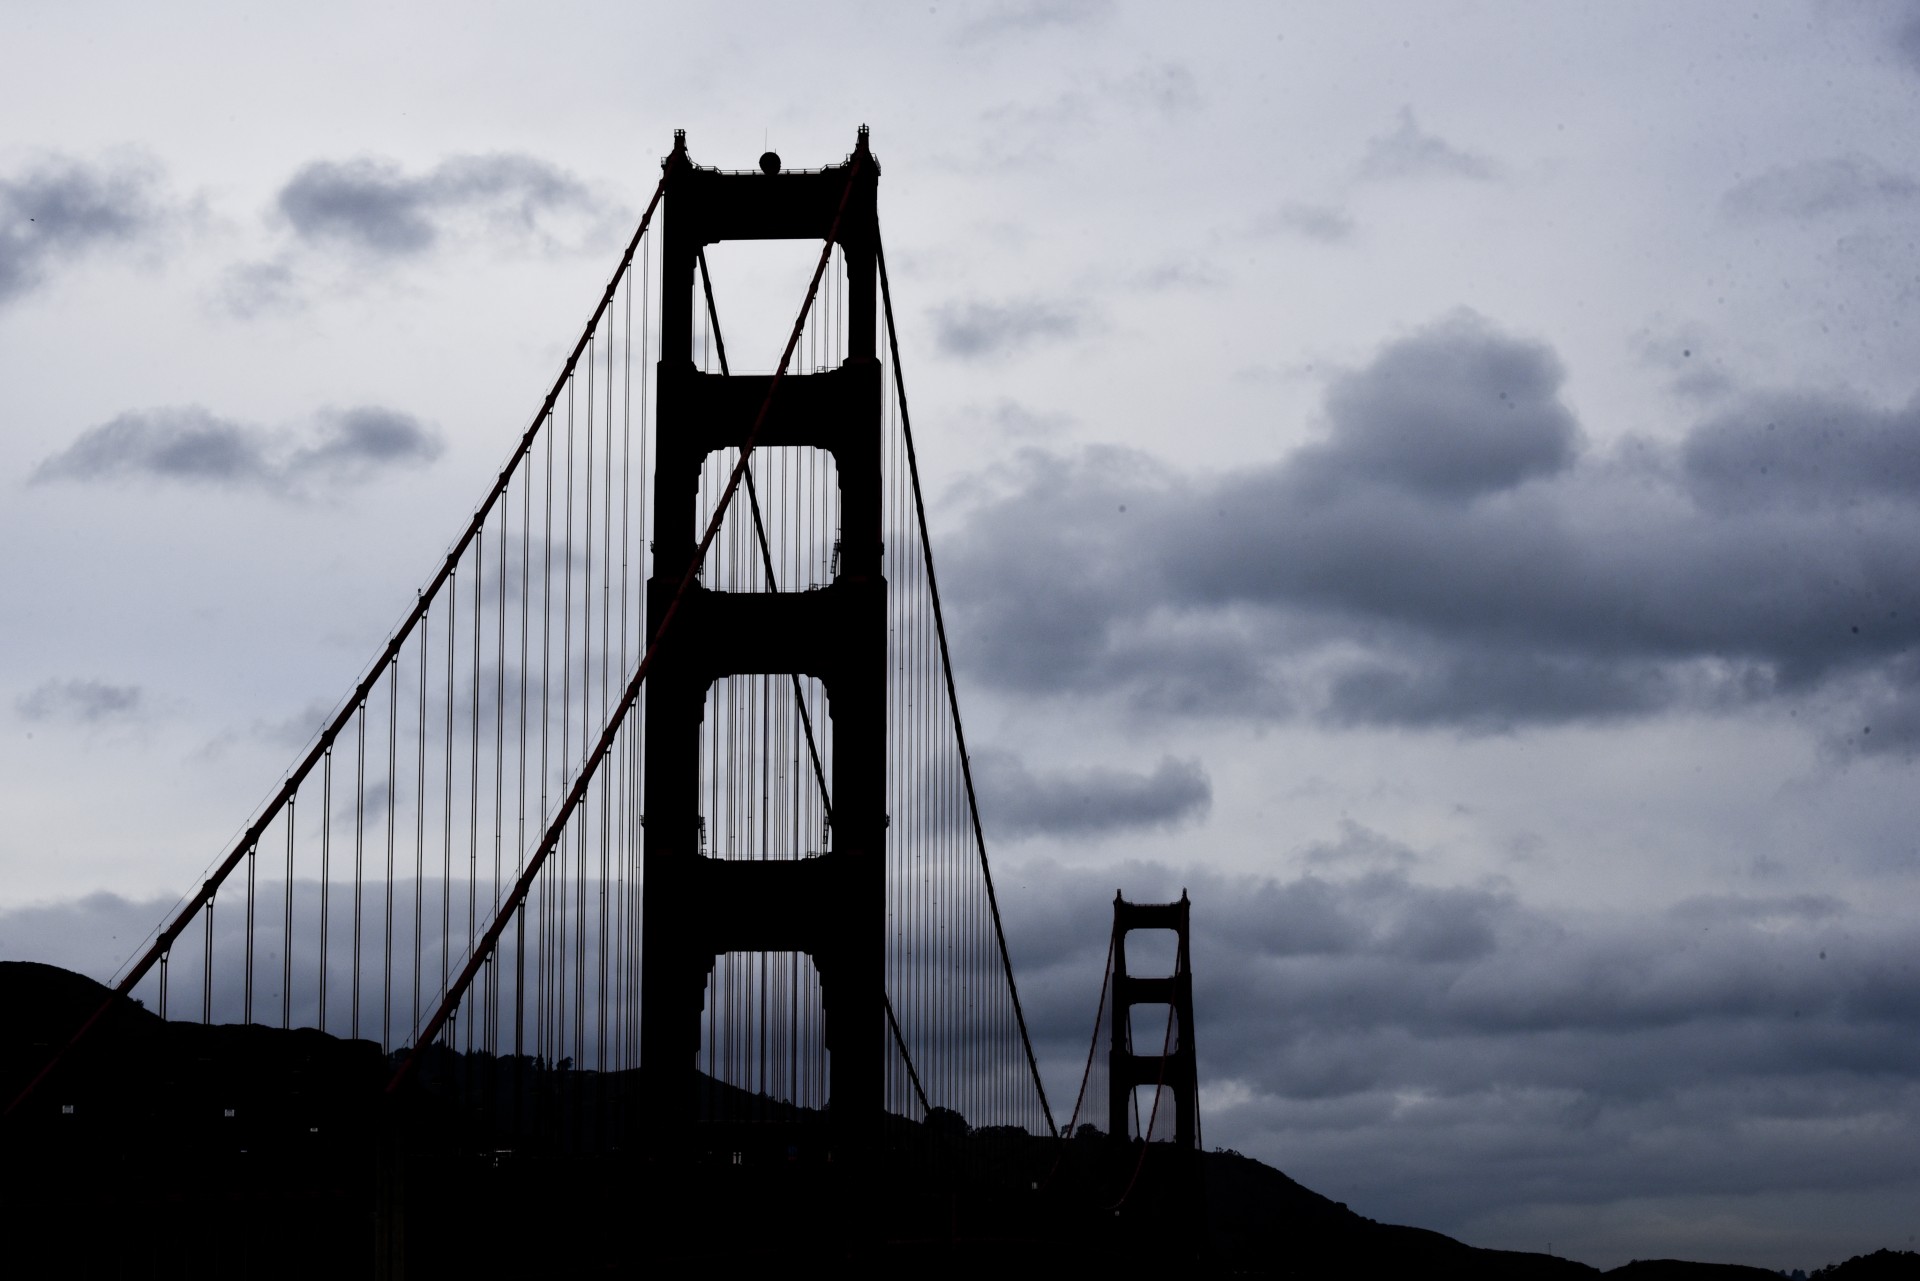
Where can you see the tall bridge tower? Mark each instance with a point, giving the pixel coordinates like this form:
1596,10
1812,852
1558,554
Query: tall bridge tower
831,907
1169,1065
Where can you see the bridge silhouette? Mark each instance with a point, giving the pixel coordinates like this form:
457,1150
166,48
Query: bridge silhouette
658,797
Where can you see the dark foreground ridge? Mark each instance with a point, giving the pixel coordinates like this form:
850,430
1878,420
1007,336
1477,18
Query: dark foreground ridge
175,1149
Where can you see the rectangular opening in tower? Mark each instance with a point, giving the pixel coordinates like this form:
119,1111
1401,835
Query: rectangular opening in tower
758,287
762,1038
1147,1025
760,795
1146,1120
798,494
1152,954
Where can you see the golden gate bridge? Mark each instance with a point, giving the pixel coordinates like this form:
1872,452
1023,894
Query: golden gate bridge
661,784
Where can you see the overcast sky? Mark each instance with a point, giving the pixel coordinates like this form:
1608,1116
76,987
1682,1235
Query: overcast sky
1440,482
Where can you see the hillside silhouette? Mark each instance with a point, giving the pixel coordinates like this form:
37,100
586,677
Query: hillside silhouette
262,1137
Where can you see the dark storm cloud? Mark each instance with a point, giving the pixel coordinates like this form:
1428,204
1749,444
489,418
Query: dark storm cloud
975,329
192,446
86,701
373,206
1836,184
58,209
1450,554
1084,803
1411,152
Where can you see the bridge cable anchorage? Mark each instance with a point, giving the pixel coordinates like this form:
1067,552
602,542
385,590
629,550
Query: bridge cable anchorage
799,697
556,828
249,839
946,664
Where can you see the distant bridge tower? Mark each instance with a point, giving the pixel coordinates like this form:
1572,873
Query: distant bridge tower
1132,1063
832,907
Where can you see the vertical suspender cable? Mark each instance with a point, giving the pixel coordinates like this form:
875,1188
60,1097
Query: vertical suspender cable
473,768
393,806
326,890
359,834
206,972
420,824
446,825
953,698
246,1007
286,930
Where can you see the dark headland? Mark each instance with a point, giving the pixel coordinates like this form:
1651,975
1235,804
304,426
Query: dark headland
175,1149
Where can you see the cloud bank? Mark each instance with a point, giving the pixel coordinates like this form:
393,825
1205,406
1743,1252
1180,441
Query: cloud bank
59,209
1082,804
89,702
1451,553
374,207
189,445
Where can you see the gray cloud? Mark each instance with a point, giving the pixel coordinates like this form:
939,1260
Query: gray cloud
1411,152
1493,690
1025,18
1450,554
374,207
1455,411
1812,188
1167,87
1887,713
1693,372
1804,450
60,208
1177,275
975,329
1906,40
352,444
192,446
254,288
1019,421
1359,849
1324,223
1017,801
86,701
